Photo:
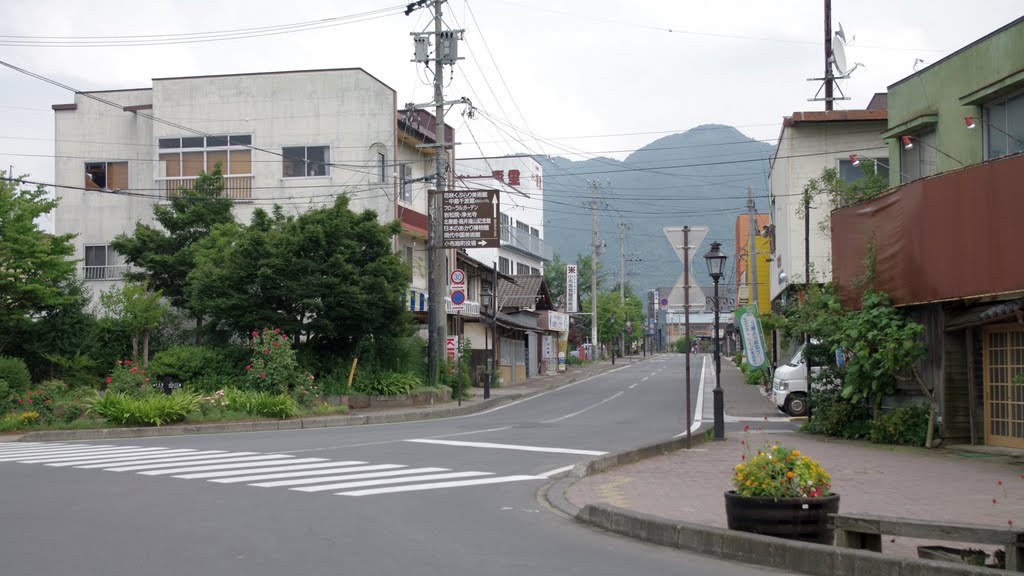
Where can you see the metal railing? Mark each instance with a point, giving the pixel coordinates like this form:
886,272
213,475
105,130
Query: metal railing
469,307
114,272
527,243
235,187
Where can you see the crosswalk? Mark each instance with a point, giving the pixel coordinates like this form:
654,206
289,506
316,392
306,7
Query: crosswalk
306,475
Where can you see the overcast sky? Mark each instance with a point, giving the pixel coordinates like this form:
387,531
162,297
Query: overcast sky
596,77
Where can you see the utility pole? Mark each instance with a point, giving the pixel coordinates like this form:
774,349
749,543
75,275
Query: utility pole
593,263
623,228
752,252
686,323
445,52
829,78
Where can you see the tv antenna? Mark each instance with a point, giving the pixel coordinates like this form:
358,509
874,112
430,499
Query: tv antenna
835,61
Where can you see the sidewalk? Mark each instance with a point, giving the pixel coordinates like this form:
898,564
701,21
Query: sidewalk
939,484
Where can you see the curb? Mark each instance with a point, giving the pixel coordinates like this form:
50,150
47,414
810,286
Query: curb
297,424
802,557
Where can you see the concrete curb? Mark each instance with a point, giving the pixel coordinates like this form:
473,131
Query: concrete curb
802,557
296,424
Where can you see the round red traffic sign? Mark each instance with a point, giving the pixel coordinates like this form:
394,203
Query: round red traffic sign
458,277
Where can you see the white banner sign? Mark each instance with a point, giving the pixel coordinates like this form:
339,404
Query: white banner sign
570,289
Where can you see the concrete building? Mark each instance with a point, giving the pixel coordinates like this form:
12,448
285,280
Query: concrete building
808,143
756,284
297,139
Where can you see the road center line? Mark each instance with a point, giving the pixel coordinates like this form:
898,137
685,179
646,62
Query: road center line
508,446
567,416
472,432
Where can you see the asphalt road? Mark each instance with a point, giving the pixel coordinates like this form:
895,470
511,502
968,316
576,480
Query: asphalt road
453,497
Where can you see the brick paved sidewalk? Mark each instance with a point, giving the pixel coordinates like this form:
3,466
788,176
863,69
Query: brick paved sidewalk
900,481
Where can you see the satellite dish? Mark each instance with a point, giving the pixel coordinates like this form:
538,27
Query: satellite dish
839,54
840,33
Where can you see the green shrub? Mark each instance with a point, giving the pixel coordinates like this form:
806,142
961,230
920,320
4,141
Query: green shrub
16,373
336,382
152,410
188,363
836,416
907,425
386,383
573,361
18,420
754,376
262,404
272,365
209,384
5,396
308,394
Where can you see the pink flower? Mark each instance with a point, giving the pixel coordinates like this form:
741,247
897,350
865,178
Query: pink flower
109,379
248,366
255,333
263,374
127,361
277,330
275,343
119,362
266,350
147,379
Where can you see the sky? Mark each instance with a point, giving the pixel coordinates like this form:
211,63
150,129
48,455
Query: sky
566,77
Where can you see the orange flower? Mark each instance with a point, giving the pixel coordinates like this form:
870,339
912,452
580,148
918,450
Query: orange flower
790,474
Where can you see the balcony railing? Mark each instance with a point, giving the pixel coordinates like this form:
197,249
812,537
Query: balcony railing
115,272
527,243
469,307
235,187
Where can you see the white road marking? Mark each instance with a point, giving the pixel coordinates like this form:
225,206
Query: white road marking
390,470
175,462
551,473
644,379
249,471
120,457
634,385
341,467
97,456
403,480
698,413
472,432
189,469
577,413
45,452
202,455
652,374
19,447
436,485
509,446
535,396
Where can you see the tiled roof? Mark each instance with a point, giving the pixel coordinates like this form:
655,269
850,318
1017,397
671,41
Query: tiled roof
526,292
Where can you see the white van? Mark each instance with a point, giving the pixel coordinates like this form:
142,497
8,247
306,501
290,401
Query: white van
789,385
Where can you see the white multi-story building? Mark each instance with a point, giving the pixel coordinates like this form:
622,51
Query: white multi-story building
297,139
520,183
808,143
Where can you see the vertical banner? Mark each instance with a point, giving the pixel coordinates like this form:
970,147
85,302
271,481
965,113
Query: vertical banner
570,289
753,337
563,349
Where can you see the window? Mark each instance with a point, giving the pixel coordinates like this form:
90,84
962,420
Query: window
405,187
919,161
186,157
1004,126
506,235
535,271
106,175
383,167
850,173
101,263
504,265
302,161
522,269
523,226
534,232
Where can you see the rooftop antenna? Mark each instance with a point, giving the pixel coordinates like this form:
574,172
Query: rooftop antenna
835,56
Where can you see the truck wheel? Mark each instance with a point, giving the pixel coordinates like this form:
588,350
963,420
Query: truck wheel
796,405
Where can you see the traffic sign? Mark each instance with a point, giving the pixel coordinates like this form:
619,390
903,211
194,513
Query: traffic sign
469,219
458,297
458,277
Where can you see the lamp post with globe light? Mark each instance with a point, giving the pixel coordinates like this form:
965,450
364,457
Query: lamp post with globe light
715,259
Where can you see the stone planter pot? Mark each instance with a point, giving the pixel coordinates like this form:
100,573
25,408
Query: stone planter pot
804,519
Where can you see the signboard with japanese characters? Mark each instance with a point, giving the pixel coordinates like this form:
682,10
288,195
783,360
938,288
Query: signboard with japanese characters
570,289
470,219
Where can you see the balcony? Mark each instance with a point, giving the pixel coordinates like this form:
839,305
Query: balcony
523,241
470,308
114,272
238,188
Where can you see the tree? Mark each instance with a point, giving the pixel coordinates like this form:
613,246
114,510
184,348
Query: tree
140,308
554,276
328,277
167,255
838,193
34,265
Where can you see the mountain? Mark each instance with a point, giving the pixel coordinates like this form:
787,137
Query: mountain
696,178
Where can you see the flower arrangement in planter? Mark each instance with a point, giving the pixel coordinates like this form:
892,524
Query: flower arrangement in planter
781,492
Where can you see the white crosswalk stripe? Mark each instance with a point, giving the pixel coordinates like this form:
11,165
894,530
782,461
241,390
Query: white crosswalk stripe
306,475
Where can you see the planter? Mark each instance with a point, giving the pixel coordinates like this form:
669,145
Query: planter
804,519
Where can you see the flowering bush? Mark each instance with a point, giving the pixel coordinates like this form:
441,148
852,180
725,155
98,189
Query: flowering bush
272,367
779,472
128,379
308,393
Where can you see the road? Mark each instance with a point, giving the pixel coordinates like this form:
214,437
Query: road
453,497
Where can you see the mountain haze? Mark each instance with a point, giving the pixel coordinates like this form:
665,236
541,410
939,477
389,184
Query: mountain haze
696,178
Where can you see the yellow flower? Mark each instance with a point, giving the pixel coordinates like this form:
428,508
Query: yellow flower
790,474
739,466
796,452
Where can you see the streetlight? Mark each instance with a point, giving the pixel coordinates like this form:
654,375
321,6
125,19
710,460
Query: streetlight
489,298
715,259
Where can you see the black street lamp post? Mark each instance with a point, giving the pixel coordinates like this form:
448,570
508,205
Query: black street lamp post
715,259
